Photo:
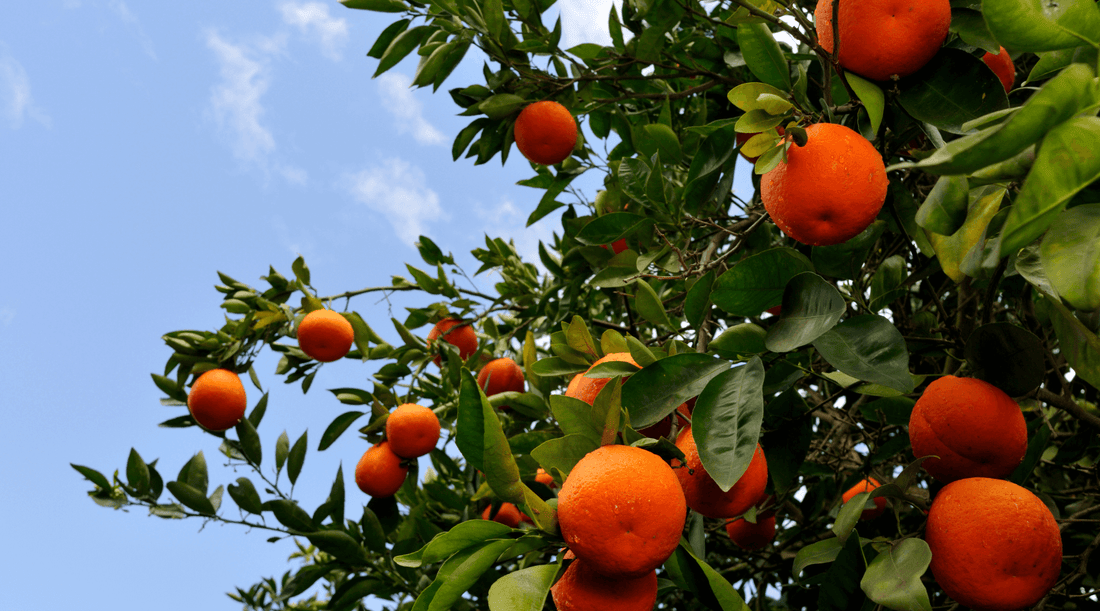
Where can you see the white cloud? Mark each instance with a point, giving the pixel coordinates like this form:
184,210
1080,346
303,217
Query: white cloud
400,101
399,192
16,101
6,316
586,21
312,19
506,220
119,7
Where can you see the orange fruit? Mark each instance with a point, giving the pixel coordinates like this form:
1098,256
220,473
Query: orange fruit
617,246
412,430
867,485
545,132
828,191
583,589
752,537
544,478
1001,64
508,515
455,333
500,375
974,428
325,335
995,545
586,389
703,494
883,38
217,400
379,472
622,511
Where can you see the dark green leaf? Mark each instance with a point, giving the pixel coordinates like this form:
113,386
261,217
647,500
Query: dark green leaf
245,496
1079,345
951,89
726,422
893,579
1070,254
1026,25
482,441
610,227
870,348
845,260
944,210
282,448
1006,356
523,590
337,428
378,6
137,473
657,390
402,45
811,307
563,453
191,497
250,441
756,282
169,387
763,55
738,340
339,544
93,476
296,457
289,514
649,305
697,301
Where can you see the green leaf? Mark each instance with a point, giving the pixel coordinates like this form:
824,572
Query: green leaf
386,37
501,105
642,355
289,514
944,210
563,453
849,515
727,598
726,422
191,497
649,305
1079,345
170,387
667,142
1005,356
523,590
951,250
93,476
951,89
378,6
840,583
574,418
296,457
763,56
1036,446
697,301
250,441
821,552
611,369
888,283
1035,25
869,348
745,338
493,12
137,473
610,227
872,97
971,28
1070,254
658,389
747,96
339,544
579,338
463,572
460,537
1049,63
756,121
482,441
756,282
556,366
245,496
893,577
811,306
612,341
402,45
194,474
845,260
1057,101
337,428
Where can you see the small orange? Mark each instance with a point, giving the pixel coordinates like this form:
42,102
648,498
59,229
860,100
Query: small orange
217,400
583,589
508,514
827,191
500,375
455,333
325,335
379,472
867,485
703,494
752,537
545,132
1001,64
586,389
622,511
412,430
974,428
544,478
995,546
884,38
617,246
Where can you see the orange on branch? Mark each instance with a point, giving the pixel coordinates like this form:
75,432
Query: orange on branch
752,537
884,38
508,515
217,400
867,485
622,511
583,589
379,472
974,428
325,335
455,333
702,492
500,375
995,545
412,430
827,191
545,132
1001,65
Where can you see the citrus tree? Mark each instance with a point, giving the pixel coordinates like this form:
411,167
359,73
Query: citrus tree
886,360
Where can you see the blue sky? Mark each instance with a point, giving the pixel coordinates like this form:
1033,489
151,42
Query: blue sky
143,148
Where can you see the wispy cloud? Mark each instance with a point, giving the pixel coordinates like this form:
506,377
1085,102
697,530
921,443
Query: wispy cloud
399,192
16,101
506,220
236,102
119,8
313,20
586,21
400,101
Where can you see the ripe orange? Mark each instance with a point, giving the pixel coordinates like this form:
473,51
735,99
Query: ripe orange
379,472
583,589
703,494
455,333
752,537
1001,64
828,191
500,375
325,335
974,427
617,246
544,478
884,38
586,389
412,430
867,485
217,400
994,544
508,514
545,132
622,511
